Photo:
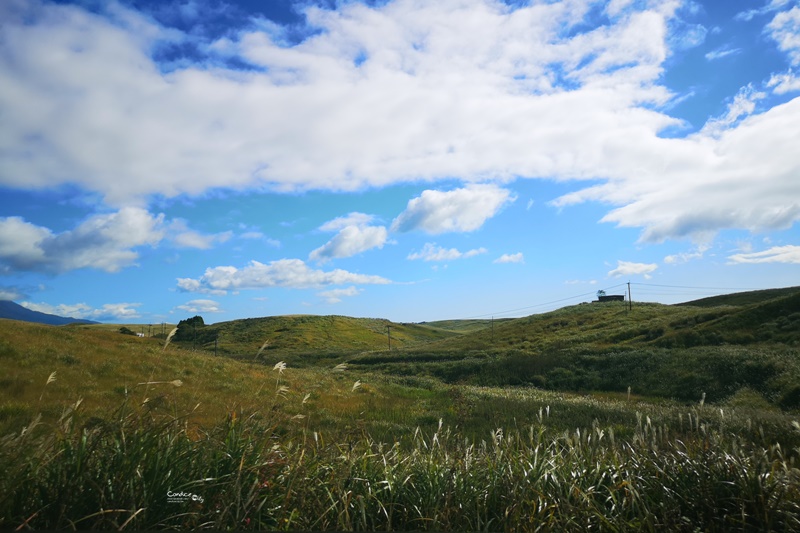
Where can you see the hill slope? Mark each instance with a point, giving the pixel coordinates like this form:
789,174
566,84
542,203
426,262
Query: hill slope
312,335
14,311
743,298
677,351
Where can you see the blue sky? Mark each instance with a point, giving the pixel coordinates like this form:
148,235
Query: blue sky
400,159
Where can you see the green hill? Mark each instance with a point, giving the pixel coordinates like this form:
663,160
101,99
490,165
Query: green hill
743,298
675,351
308,337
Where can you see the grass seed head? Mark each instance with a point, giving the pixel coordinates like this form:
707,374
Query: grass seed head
169,337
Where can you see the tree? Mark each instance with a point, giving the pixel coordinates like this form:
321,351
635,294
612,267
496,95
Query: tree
188,328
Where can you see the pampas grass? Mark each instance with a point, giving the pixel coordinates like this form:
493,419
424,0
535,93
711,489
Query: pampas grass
169,337
51,378
263,346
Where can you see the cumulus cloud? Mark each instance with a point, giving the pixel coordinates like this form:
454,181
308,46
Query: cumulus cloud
469,89
200,306
399,91
510,258
776,254
750,171
458,210
334,296
289,273
432,252
108,312
626,268
354,236
105,242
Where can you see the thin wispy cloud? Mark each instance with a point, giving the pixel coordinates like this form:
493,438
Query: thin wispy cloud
432,252
777,254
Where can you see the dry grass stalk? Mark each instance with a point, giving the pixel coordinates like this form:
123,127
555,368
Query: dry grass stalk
263,346
169,337
51,378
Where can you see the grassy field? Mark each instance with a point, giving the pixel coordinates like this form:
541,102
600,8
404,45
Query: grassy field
589,417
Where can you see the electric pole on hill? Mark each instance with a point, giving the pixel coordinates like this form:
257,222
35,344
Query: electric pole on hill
630,302
389,334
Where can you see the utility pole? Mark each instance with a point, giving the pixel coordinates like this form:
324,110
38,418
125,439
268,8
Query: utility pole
493,329
215,344
630,302
389,334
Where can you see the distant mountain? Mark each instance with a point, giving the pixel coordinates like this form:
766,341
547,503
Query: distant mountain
14,311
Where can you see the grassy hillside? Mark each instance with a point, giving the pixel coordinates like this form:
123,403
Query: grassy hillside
466,325
97,428
743,298
305,338
681,352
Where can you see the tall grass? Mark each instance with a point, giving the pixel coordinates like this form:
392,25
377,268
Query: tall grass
142,470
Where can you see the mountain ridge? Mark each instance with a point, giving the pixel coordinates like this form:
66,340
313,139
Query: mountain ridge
14,311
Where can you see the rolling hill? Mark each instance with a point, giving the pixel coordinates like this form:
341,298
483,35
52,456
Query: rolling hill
311,336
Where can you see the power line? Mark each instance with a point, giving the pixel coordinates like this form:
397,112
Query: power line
543,304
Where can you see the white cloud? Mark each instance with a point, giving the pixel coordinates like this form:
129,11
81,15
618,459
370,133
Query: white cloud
470,89
103,242
615,7
200,306
749,170
432,252
461,210
719,53
770,7
785,30
350,241
776,254
352,219
183,237
355,236
626,268
685,257
289,273
784,82
743,104
108,312
334,296
510,258
473,89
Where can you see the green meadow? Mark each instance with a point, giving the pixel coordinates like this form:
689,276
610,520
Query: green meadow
591,417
